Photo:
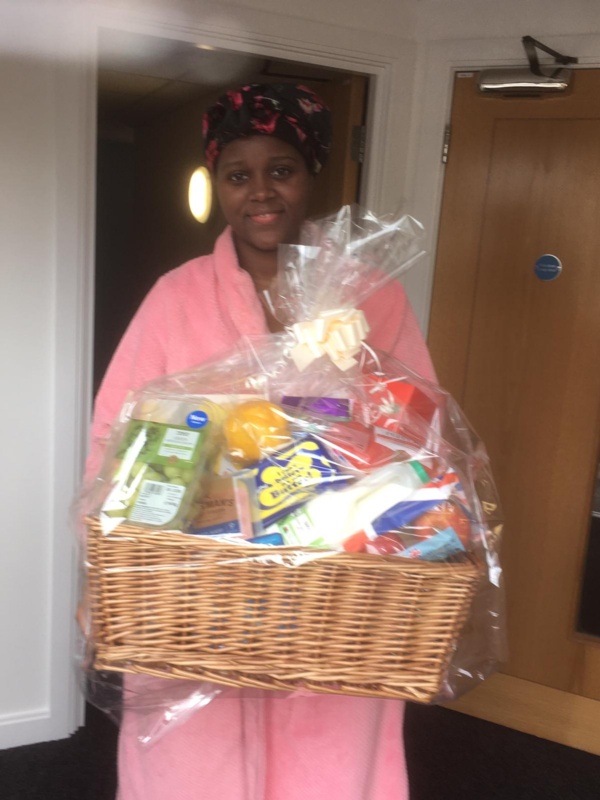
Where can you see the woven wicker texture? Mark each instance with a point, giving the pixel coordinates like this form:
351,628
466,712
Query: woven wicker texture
173,605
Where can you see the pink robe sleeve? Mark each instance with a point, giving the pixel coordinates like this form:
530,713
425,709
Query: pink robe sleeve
140,357
395,330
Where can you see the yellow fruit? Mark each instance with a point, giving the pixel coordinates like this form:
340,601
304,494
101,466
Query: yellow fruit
253,428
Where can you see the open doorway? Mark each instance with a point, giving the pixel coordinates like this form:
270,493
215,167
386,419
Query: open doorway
152,93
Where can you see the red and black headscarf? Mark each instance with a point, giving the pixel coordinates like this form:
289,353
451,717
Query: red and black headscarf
294,114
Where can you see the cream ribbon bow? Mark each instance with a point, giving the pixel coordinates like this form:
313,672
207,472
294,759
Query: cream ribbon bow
338,334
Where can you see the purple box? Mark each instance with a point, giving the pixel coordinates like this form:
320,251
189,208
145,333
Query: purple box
331,407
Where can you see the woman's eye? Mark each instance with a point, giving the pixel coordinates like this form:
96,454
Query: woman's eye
237,177
282,172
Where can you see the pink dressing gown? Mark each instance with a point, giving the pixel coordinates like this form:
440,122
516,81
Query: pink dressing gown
315,747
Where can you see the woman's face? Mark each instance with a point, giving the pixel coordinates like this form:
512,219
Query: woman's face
264,187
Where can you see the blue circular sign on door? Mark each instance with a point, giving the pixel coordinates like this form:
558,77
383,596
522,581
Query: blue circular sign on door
548,267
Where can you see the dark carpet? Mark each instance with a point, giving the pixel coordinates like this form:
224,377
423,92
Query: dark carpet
451,757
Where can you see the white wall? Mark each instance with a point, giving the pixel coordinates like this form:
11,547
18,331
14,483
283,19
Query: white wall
39,401
27,205
391,16
469,19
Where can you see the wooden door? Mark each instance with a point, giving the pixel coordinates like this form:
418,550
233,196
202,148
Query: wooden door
522,356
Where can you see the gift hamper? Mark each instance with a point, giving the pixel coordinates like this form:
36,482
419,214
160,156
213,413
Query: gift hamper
305,513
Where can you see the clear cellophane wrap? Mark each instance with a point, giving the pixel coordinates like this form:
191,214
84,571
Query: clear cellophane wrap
305,514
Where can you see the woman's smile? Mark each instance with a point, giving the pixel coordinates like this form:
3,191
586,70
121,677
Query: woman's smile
265,217
264,187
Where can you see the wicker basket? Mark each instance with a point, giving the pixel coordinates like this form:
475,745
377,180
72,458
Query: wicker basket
173,605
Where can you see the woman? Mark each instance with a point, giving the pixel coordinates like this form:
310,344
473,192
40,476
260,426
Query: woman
264,145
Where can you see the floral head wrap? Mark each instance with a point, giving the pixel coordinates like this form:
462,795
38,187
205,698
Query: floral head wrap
292,113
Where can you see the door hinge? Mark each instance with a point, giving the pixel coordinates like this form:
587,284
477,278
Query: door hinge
446,144
358,143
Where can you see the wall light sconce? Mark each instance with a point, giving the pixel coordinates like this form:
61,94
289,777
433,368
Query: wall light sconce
200,194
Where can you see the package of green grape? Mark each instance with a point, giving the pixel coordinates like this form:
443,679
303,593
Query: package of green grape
159,459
